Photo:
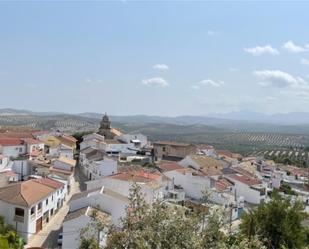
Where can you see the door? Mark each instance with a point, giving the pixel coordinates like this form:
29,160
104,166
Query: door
38,225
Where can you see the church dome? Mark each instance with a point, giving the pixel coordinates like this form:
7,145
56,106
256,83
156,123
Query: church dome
105,118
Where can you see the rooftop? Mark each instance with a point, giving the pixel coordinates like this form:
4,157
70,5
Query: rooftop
50,182
32,141
169,166
250,181
90,212
16,134
26,193
209,165
137,176
67,140
66,160
106,191
10,141
172,143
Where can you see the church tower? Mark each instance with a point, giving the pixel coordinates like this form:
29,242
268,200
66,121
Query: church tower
105,128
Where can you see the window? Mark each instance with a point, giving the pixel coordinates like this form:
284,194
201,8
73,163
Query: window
32,211
40,206
46,202
52,197
163,149
19,212
20,149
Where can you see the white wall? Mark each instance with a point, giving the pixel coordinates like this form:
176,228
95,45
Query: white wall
127,138
28,227
22,168
14,151
192,185
123,187
106,203
8,212
99,169
66,152
121,148
62,165
71,231
33,147
3,163
250,195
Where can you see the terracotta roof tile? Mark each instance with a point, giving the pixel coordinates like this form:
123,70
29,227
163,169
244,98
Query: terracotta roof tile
25,193
170,166
10,141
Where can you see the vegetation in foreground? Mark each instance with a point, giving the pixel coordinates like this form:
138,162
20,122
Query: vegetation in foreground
8,237
277,224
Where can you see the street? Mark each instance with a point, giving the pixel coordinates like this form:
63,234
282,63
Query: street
47,237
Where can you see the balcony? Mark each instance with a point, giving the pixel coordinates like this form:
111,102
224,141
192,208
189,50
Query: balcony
18,218
39,212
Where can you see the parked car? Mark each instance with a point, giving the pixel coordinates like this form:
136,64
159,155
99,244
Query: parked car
60,238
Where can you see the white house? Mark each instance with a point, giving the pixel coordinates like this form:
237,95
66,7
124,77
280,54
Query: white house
116,147
12,147
153,185
252,189
33,145
205,164
193,183
66,151
4,160
95,164
98,169
104,200
93,140
29,205
64,163
82,222
139,140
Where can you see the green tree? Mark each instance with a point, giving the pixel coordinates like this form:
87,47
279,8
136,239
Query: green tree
8,237
278,223
89,235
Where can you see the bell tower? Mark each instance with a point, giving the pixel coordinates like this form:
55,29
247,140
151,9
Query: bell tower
105,128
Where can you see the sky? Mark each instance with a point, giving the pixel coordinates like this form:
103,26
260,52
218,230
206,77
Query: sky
154,57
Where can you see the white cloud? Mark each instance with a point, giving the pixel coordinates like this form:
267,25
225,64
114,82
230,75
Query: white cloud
280,79
207,82
210,82
259,50
293,48
304,62
161,67
156,81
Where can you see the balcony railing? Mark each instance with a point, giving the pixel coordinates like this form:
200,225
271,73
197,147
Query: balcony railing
19,218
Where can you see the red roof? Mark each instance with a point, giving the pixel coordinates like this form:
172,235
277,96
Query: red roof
245,179
222,184
66,172
10,141
50,182
32,141
16,135
170,166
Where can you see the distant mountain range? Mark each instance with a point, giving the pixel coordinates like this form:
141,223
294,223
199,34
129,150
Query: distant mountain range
244,121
